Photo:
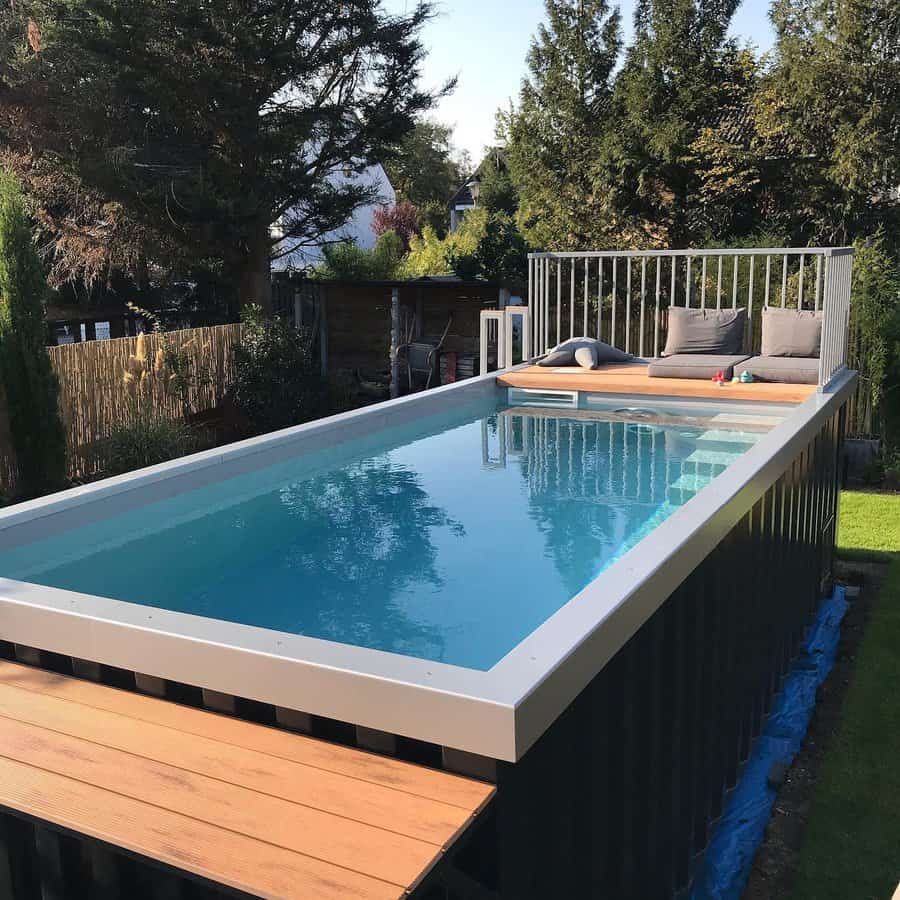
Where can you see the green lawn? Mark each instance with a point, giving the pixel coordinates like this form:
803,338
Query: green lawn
851,847
869,525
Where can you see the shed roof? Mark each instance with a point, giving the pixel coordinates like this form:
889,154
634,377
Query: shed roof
424,281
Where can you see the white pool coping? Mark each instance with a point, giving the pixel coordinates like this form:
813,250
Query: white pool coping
498,713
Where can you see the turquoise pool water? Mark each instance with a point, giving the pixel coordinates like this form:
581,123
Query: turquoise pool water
448,540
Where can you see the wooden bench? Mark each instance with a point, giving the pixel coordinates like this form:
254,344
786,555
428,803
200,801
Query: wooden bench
259,810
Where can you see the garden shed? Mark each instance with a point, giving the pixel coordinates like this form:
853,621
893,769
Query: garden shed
363,326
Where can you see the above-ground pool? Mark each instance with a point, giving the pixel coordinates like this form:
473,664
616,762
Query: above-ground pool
449,539
454,566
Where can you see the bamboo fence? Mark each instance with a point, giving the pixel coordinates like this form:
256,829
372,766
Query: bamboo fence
93,398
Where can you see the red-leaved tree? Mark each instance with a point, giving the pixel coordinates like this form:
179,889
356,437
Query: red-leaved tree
401,218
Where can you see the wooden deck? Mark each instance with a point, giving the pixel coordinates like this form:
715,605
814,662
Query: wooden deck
260,810
632,378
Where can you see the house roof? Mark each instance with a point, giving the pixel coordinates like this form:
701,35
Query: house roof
54,312
463,195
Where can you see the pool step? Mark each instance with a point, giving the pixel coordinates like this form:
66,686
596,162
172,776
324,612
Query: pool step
745,419
697,471
721,458
720,436
687,486
691,481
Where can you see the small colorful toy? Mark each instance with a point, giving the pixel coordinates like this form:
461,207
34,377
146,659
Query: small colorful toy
719,378
746,377
735,380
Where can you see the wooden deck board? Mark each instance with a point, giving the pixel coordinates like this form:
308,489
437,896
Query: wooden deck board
633,379
383,770
72,753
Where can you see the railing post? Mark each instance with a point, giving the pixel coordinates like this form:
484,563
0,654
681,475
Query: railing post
510,314
835,313
488,316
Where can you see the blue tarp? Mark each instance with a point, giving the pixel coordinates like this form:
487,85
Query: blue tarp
729,857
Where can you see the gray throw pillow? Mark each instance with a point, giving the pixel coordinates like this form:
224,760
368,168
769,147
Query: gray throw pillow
586,357
564,354
712,331
791,332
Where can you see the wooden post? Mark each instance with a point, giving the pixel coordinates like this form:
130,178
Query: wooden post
395,342
323,329
298,308
420,312
118,326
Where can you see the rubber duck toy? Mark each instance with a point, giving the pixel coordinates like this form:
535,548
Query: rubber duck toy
746,377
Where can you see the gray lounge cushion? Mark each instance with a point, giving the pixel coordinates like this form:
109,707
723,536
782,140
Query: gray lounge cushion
711,331
596,353
783,369
694,365
791,332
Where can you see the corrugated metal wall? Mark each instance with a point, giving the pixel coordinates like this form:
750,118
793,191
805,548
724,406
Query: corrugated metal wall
618,798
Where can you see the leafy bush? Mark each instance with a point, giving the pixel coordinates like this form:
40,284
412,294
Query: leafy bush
875,330
486,245
30,383
346,261
146,441
892,470
276,383
432,255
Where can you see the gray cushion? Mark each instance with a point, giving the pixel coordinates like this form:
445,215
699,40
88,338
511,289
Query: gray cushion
694,365
712,331
564,354
791,332
783,369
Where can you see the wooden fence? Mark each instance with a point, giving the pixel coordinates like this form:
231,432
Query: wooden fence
94,399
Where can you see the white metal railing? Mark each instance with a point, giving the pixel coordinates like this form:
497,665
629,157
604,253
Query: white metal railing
836,318
621,296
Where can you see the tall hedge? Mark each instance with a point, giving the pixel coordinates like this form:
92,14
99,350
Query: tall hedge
30,384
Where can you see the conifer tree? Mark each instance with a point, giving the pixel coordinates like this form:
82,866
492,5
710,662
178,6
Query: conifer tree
29,383
674,83
835,93
555,135
203,123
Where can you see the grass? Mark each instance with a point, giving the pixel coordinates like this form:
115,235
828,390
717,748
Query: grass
869,526
851,847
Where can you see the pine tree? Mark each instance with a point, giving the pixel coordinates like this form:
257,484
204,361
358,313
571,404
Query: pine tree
195,126
555,135
675,82
835,88
29,383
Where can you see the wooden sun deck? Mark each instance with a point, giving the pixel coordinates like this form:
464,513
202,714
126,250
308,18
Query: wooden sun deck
259,810
632,378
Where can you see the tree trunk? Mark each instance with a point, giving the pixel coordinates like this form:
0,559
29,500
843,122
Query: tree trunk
253,268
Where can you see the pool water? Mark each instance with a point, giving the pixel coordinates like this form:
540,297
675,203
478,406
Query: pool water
448,540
